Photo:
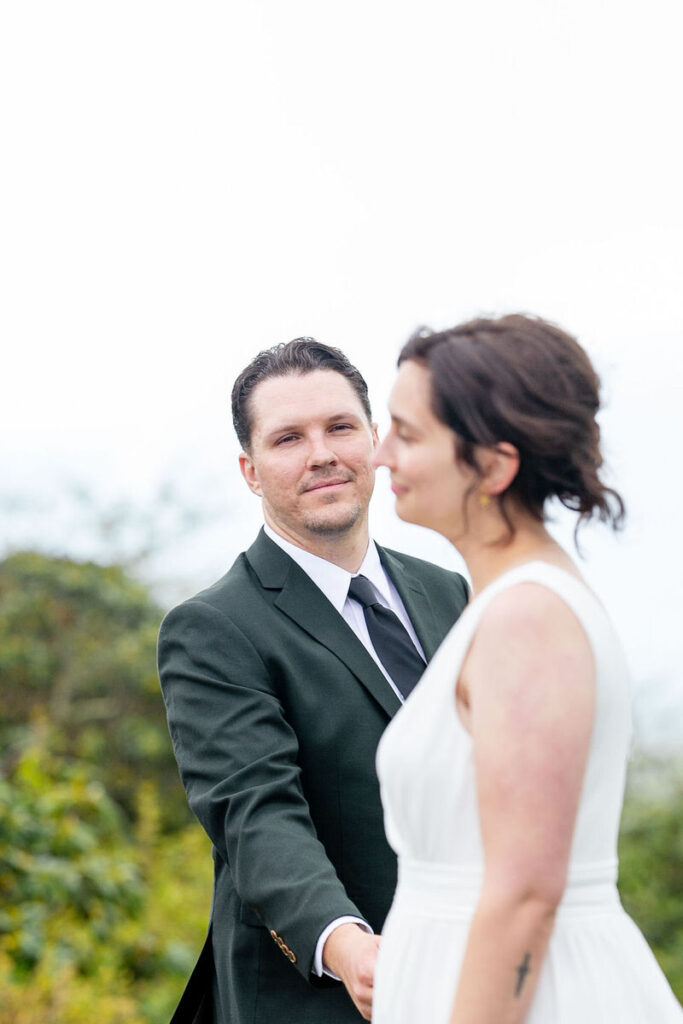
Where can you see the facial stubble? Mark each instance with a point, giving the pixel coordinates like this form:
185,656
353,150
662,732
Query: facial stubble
322,526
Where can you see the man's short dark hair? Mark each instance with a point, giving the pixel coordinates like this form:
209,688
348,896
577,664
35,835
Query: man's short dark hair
300,356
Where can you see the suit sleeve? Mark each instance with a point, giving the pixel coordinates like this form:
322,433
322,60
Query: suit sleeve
237,757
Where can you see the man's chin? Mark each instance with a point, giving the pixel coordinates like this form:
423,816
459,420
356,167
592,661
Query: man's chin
333,523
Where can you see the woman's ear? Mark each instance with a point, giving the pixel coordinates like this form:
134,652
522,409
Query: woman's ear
501,466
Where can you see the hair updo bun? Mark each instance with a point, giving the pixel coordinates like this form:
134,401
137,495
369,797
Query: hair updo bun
522,380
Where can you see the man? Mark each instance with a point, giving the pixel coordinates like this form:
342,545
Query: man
278,684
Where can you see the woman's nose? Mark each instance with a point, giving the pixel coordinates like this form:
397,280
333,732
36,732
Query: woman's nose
381,455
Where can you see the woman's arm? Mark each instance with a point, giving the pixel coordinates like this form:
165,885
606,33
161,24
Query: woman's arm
529,686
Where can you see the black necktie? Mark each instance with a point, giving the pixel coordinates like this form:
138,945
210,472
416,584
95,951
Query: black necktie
391,640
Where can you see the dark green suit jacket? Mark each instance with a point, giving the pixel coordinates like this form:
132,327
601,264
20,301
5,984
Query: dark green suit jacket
275,710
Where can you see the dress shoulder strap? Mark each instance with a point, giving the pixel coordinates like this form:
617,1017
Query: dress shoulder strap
573,591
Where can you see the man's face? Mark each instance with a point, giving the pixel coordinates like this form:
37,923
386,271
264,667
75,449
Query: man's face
311,455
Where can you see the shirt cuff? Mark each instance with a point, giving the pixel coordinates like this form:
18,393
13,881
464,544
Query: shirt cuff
318,967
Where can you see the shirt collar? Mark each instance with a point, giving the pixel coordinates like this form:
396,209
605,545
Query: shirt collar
330,578
374,571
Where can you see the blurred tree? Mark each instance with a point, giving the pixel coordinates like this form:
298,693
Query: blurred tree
98,920
60,860
77,648
145,536
651,861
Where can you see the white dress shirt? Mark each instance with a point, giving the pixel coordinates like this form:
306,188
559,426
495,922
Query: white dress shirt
334,583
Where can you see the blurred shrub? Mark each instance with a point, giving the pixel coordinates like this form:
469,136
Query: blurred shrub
78,648
64,875
651,862
97,922
56,994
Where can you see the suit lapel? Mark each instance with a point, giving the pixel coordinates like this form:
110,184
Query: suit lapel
306,605
417,601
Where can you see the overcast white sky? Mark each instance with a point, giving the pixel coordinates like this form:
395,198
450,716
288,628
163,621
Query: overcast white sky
183,184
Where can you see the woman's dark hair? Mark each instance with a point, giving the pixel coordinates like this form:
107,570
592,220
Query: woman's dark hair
300,356
522,380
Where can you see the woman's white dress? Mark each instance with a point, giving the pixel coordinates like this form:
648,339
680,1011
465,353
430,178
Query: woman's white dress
598,968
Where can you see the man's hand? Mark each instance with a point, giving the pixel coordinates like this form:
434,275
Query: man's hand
350,953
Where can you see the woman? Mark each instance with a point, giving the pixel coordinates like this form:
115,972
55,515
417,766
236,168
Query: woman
503,776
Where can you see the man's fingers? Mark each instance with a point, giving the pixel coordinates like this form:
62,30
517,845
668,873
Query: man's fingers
363,1002
362,988
351,953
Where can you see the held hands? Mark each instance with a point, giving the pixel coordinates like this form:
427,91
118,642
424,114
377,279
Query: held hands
350,953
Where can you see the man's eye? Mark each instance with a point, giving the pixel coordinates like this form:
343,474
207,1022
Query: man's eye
341,426
287,438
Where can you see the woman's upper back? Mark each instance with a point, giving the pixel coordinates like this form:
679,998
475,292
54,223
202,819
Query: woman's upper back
426,762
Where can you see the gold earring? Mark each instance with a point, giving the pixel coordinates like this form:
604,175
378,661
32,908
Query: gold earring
484,500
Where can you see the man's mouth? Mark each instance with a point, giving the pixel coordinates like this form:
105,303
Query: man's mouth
327,484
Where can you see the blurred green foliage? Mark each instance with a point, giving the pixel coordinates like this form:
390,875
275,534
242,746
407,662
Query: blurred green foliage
61,861
105,883
651,863
99,921
77,649
101,918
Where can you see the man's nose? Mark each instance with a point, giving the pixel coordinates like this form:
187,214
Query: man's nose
321,453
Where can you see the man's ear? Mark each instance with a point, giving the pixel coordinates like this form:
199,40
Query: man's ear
249,473
375,436
501,467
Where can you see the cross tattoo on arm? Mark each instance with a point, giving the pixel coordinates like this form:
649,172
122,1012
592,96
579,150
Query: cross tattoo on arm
522,972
